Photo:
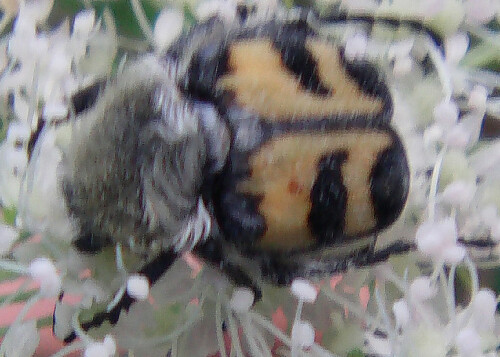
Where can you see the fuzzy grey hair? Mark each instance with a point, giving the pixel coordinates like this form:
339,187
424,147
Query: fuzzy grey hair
136,165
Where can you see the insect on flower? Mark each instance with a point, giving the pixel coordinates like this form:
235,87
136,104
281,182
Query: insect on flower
257,145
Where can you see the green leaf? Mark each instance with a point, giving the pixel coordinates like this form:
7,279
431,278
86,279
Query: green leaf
9,215
20,297
356,353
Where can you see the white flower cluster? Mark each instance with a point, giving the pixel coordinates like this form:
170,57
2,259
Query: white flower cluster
453,212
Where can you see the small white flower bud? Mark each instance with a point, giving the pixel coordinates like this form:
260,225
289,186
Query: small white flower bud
401,48
458,137
401,312
477,97
480,11
455,47
21,339
468,343
484,305
138,287
167,28
495,231
83,23
43,271
242,300
459,193
8,236
402,65
438,240
107,348
422,289
17,132
225,10
54,111
355,46
489,215
38,11
454,254
304,290
430,8
302,334
446,114
109,344
432,134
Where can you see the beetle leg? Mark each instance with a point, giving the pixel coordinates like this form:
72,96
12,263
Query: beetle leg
152,271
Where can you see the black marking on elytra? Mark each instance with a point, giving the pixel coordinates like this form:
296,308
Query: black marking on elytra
239,217
328,199
371,82
322,124
389,184
299,60
153,271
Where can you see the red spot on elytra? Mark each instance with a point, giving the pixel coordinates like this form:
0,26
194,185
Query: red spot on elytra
294,187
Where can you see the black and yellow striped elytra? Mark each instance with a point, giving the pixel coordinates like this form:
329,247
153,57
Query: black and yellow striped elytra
313,160
307,190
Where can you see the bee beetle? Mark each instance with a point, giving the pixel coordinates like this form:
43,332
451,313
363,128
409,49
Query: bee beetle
256,145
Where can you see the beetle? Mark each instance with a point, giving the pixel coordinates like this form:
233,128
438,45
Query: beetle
257,145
